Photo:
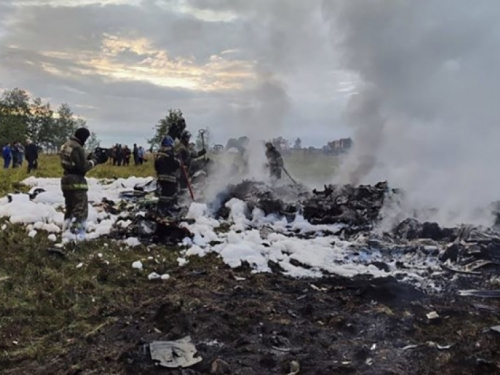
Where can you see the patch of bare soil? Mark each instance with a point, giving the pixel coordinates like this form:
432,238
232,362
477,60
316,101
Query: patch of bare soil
265,323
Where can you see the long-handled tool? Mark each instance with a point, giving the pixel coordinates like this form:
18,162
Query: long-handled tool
202,133
288,174
183,167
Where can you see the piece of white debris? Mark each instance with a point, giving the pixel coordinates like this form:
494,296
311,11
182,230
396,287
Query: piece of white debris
52,237
59,245
132,242
154,276
165,276
409,347
137,265
432,315
182,262
32,233
4,226
99,255
374,346
79,265
318,289
495,329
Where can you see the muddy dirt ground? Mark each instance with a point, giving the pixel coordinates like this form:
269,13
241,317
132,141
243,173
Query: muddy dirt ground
261,324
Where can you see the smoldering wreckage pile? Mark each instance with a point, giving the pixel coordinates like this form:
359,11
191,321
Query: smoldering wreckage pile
339,296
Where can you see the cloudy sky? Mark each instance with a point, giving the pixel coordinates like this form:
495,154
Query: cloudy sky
261,67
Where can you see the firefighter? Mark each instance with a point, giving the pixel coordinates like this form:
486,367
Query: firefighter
186,155
176,129
73,183
167,169
274,161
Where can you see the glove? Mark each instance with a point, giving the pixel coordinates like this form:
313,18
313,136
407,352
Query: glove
202,152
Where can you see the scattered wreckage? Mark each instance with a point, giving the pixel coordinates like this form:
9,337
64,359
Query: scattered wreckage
465,250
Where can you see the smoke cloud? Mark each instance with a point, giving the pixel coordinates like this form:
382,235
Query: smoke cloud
426,117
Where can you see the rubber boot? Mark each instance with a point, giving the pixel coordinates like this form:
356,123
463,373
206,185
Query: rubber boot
79,230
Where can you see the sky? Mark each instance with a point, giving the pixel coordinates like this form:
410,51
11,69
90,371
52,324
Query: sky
261,68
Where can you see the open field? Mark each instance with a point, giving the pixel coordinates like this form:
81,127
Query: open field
302,166
87,311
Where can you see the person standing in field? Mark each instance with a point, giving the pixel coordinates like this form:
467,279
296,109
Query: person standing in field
142,155
136,154
31,155
167,169
274,161
74,184
7,156
126,156
15,155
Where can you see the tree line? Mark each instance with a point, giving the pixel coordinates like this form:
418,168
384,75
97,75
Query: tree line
22,117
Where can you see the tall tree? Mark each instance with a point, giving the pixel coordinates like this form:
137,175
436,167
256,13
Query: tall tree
65,125
14,115
41,124
21,118
161,129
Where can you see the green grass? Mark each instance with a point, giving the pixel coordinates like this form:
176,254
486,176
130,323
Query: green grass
311,167
47,302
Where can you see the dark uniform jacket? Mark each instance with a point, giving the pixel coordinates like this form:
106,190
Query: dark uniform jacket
274,158
186,154
31,152
75,165
166,165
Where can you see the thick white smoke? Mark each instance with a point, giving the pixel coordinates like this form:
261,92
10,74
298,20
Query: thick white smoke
427,117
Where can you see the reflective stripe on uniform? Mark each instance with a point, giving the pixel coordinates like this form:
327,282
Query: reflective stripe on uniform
75,187
167,178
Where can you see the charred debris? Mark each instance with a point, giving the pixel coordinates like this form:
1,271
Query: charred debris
356,212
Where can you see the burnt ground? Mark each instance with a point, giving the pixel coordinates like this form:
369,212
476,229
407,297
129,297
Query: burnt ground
261,324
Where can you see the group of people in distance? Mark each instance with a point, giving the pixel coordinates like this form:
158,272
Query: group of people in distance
121,155
14,154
